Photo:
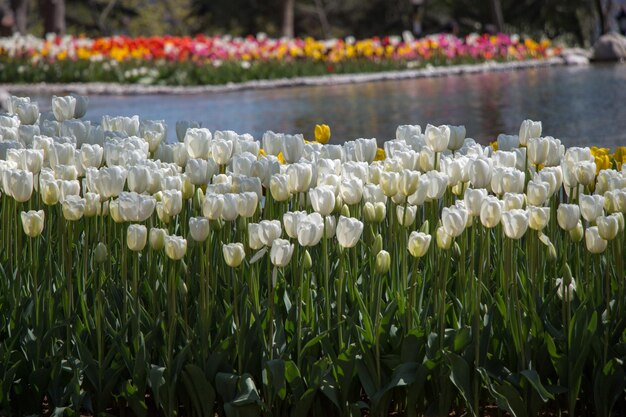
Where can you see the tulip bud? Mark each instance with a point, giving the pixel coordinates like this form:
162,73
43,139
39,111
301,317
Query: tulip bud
383,262
32,222
377,246
101,253
307,262
577,233
136,236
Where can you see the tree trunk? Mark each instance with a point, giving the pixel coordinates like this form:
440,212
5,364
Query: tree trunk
53,13
496,15
321,12
20,14
288,18
603,13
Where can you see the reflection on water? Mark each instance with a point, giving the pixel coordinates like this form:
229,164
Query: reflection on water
579,105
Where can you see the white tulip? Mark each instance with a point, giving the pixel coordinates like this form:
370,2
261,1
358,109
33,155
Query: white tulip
538,217
537,150
63,107
437,138
608,226
323,199
199,228
457,137
310,229
172,202
515,223
213,206
247,204
292,148
175,247
507,142
454,220
418,243
595,243
221,151
73,207
269,230
279,187
136,237
528,130
348,231
365,150
537,192
300,176
591,206
585,172
491,212
291,221
33,222
157,238
444,240
480,170
351,191
406,217
281,252
474,199
568,215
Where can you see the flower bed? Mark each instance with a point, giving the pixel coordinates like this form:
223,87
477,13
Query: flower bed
225,275
217,60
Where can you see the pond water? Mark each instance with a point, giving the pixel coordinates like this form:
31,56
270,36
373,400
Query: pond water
579,105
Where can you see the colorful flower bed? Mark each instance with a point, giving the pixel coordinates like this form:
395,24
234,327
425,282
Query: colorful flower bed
218,60
223,275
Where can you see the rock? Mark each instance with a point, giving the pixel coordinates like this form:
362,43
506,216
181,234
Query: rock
610,47
575,59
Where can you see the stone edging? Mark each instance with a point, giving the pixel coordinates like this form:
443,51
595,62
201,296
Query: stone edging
134,89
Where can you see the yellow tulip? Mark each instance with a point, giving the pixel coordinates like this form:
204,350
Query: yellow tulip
322,134
281,158
494,145
380,155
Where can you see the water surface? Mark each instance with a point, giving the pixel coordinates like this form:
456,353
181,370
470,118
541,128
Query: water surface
579,105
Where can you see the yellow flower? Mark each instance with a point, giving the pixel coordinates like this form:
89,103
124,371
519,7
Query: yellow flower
322,134
261,153
380,155
620,156
602,162
494,145
281,158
